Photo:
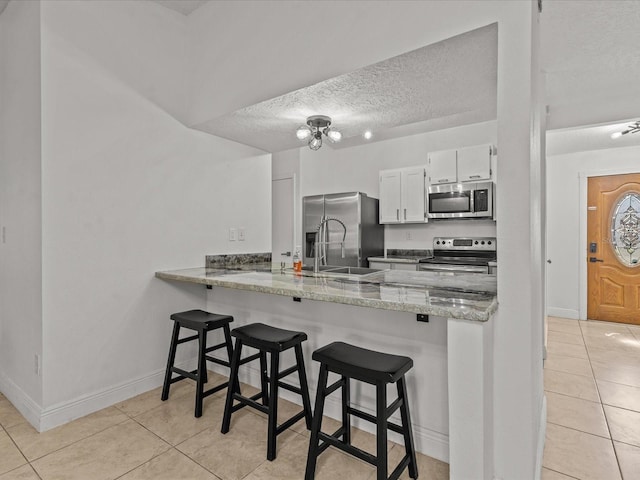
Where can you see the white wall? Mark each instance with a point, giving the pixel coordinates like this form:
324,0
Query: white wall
563,219
252,51
356,169
127,190
20,205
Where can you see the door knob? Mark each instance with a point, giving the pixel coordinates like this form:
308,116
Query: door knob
549,261
286,254
594,260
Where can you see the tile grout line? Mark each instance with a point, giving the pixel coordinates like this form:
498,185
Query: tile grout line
74,442
561,473
606,419
15,445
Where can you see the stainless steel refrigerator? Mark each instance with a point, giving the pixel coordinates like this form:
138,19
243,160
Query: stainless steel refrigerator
323,216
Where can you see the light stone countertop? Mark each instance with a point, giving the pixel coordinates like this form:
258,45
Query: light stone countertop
464,296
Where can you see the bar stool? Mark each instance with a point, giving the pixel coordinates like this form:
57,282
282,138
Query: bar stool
202,322
377,369
274,341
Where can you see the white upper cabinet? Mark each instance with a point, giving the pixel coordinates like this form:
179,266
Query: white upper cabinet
474,163
443,167
413,191
470,164
402,195
390,196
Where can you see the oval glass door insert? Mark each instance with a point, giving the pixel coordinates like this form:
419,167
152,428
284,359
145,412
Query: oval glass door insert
625,229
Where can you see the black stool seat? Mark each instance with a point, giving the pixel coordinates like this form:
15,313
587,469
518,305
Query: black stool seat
274,341
362,364
201,322
375,368
266,337
198,319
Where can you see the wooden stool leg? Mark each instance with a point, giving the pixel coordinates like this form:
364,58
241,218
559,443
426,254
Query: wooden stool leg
229,345
264,378
312,456
273,406
304,386
202,371
407,431
381,431
172,357
346,417
228,404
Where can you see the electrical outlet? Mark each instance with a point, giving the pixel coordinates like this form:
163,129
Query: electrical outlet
232,234
241,234
408,234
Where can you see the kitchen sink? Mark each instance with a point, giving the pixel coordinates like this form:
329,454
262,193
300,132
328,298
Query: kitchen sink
337,270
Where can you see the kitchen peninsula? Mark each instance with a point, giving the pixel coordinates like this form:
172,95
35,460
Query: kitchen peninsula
449,387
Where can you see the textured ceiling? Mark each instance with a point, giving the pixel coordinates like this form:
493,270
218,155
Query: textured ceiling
590,56
445,84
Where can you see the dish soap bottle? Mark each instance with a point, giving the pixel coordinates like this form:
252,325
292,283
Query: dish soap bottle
297,261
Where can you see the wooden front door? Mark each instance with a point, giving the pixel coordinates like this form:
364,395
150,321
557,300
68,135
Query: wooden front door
613,248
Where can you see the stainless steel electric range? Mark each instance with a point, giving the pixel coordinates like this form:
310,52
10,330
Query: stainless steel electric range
461,254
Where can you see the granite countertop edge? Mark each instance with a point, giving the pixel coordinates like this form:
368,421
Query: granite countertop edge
296,288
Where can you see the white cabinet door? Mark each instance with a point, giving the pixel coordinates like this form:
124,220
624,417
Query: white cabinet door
405,266
390,196
413,203
474,163
380,265
393,265
442,167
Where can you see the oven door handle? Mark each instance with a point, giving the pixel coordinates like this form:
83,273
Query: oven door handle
441,267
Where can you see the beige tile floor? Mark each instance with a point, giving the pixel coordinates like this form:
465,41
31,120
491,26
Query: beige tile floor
592,385
145,438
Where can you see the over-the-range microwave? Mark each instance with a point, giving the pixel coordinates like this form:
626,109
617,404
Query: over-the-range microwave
461,200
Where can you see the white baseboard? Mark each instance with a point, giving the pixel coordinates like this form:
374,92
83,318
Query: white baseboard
542,431
27,407
563,313
43,419
428,442
65,412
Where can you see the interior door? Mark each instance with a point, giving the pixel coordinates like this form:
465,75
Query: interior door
613,248
282,191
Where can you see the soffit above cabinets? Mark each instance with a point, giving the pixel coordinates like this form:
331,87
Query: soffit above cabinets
442,85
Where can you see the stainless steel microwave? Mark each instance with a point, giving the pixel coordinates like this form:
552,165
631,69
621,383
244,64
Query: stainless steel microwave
461,200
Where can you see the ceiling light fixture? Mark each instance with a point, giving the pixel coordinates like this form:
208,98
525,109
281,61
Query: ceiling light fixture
316,126
367,135
633,128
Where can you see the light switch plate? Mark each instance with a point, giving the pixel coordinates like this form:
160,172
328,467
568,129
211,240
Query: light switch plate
232,234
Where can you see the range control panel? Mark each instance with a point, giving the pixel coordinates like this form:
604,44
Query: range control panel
465,243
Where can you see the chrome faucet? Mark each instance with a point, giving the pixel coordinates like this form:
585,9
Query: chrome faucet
322,232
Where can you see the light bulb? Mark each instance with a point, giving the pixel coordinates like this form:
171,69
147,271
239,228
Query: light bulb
334,135
303,132
616,134
316,142
367,135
